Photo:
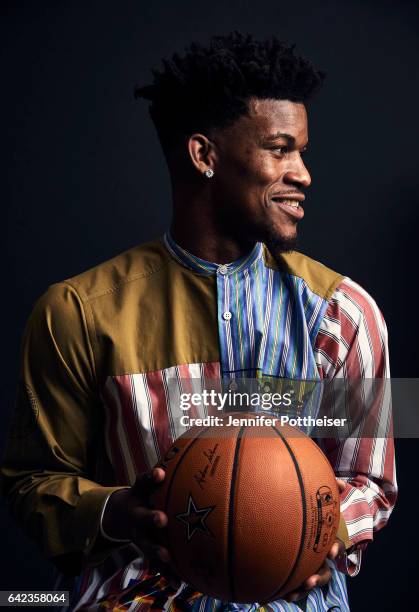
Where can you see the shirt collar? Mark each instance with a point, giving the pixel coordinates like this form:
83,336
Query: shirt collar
208,268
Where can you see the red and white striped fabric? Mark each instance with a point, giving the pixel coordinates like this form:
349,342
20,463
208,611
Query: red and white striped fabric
352,344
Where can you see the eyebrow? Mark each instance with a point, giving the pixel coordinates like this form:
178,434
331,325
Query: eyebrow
288,137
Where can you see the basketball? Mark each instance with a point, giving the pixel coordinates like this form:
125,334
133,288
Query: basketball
253,510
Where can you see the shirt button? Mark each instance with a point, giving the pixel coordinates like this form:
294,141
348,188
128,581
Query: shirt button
222,270
227,315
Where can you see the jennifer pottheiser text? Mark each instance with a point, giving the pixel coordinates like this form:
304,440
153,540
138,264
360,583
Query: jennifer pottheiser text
260,421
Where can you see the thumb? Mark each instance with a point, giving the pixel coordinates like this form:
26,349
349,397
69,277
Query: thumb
341,485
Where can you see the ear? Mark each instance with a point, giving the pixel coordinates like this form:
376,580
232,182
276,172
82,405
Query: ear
202,152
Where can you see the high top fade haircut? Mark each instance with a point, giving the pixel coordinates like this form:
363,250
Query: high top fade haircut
210,86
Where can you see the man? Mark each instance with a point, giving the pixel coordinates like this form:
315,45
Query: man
95,408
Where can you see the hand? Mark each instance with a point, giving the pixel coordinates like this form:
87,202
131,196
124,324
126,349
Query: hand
129,515
323,574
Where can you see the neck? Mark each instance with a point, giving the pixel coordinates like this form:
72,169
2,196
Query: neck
196,228
207,242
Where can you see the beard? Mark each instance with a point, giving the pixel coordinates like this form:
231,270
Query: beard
247,232
277,243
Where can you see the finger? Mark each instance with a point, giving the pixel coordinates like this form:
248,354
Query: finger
322,577
143,485
154,552
295,596
336,550
160,519
175,582
146,481
161,553
158,474
144,518
341,485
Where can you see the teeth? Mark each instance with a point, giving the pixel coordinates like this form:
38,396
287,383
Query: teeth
292,203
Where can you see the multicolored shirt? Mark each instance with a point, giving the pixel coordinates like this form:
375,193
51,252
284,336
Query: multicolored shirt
102,355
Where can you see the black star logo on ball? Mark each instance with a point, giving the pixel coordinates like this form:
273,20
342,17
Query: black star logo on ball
194,518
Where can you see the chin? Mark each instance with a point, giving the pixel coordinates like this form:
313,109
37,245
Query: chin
280,242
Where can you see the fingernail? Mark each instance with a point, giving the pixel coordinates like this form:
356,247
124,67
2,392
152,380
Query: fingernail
175,584
164,555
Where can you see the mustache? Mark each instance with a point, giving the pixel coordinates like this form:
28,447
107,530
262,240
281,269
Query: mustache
289,192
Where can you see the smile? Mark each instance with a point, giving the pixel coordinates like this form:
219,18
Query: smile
292,207
292,203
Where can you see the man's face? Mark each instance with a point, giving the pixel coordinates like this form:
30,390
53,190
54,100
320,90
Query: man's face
260,175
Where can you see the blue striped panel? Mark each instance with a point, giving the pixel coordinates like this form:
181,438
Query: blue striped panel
275,319
272,331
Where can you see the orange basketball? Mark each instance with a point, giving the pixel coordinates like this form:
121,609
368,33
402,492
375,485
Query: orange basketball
253,510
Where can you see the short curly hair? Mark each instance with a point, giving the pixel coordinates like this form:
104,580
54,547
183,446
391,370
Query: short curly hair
210,86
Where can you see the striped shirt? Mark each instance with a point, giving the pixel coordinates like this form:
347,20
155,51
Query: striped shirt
200,324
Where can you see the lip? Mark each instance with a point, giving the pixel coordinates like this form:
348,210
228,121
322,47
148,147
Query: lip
290,195
295,213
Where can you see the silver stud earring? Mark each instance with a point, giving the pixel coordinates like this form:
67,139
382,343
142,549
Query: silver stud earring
209,173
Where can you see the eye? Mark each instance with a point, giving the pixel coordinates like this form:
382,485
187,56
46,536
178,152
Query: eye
280,150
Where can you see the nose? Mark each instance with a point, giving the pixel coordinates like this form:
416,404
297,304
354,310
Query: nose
297,172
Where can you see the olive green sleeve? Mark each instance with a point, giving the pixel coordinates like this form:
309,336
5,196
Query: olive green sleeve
48,468
342,533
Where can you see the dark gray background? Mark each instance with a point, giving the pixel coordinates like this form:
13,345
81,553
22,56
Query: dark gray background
85,179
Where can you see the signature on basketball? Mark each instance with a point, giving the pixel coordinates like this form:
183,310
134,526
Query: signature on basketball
212,460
